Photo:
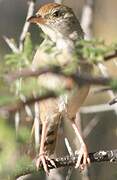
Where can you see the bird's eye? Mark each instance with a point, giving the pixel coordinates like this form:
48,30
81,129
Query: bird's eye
56,14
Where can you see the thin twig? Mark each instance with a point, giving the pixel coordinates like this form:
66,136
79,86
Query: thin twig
10,43
101,90
90,126
36,125
17,120
104,72
87,17
113,101
27,24
68,146
111,56
27,108
96,109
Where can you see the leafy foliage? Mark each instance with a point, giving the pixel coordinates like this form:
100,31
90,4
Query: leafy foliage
91,52
21,59
94,50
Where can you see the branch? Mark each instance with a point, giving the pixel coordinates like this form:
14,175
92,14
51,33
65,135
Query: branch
10,43
27,24
113,101
21,104
111,56
26,72
87,18
66,161
79,78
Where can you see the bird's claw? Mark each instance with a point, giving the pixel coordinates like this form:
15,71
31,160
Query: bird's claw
42,159
83,158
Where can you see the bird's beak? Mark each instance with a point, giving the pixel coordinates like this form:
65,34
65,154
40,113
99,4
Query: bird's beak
36,19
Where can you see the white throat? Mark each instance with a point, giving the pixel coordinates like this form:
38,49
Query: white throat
58,38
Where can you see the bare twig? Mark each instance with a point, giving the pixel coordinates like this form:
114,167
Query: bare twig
90,126
100,90
10,43
36,125
27,108
113,101
27,24
17,120
87,17
104,72
96,109
111,56
68,146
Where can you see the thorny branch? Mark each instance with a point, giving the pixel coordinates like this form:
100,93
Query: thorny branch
66,161
26,72
17,49
20,104
77,77
80,79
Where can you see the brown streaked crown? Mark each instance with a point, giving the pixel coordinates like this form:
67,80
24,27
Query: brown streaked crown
46,12
47,8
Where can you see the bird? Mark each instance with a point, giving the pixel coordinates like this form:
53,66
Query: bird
62,28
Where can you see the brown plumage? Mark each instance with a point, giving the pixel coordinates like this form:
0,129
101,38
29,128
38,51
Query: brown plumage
61,25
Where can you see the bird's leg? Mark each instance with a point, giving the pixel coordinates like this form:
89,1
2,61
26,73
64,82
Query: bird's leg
42,155
83,153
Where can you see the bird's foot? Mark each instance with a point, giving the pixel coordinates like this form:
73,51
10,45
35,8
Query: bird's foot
42,160
83,158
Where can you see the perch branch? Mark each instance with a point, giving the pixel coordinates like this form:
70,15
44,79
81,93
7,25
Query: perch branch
66,161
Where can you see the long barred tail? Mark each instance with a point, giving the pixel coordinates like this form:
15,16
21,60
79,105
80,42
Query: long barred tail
52,132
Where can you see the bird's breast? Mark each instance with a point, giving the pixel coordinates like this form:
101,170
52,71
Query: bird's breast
70,101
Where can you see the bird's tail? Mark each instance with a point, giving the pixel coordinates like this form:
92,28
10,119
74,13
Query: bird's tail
51,136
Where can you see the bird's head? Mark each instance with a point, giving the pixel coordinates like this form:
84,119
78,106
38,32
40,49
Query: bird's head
57,20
